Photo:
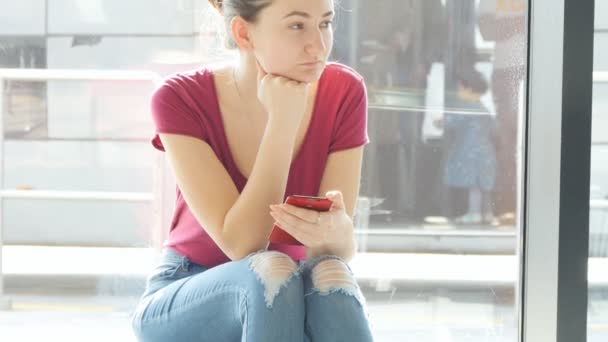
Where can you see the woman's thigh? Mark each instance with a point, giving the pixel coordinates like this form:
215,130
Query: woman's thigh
228,302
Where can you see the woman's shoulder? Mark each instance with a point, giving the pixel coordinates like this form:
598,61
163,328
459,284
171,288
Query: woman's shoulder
193,87
187,80
343,82
344,73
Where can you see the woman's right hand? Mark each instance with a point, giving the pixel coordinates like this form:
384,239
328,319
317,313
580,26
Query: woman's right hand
284,99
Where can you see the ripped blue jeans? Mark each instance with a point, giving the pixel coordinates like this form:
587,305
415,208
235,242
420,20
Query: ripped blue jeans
264,297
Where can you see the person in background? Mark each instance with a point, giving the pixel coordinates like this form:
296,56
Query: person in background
471,155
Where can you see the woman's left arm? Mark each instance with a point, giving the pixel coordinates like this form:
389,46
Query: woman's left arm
333,234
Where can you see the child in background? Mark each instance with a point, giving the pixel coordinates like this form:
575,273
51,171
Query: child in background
471,155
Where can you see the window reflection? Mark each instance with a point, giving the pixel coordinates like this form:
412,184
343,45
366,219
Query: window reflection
419,172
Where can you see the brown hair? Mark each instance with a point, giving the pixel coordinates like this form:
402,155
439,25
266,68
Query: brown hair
246,9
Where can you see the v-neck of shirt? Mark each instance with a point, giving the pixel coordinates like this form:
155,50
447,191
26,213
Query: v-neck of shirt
224,137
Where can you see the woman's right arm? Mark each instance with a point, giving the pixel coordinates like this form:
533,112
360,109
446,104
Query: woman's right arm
238,223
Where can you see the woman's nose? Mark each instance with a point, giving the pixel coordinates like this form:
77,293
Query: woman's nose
316,46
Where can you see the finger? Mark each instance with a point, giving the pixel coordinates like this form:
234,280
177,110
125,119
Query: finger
295,83
302,238
309,234
300,84
336,197
286,217
306,238
295,221
261,72
283,80
292,84
302,234
307,215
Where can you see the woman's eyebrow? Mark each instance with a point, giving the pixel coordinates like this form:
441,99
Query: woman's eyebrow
306,15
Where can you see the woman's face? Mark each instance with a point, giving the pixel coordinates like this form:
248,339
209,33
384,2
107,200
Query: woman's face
291,33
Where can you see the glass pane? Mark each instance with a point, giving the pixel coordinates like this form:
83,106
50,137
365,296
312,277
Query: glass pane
440,181
99,109
79,165
436,218
597,316
108,224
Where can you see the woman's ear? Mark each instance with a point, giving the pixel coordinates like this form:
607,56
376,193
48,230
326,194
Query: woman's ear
241,33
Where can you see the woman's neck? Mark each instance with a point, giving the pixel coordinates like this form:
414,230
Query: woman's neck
245,76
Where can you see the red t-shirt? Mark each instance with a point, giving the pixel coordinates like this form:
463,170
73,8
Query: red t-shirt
186,103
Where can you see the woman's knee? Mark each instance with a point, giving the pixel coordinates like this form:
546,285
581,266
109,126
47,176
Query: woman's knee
332,275
275,270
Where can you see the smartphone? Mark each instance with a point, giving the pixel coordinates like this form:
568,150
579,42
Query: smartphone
278,235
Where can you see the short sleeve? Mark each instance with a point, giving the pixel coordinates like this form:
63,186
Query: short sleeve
171,114
350,128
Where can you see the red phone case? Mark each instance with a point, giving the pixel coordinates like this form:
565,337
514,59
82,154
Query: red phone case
278,235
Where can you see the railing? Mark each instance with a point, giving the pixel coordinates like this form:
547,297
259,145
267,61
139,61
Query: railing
155,197
600,77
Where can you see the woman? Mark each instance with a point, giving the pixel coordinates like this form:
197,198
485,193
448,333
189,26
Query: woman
240,139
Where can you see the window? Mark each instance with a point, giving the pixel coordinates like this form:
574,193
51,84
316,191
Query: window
437,216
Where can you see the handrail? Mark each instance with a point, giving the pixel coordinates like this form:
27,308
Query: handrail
77,195
598,204
600,76
75,75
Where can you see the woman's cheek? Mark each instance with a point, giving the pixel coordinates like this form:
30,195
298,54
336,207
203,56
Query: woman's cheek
329,43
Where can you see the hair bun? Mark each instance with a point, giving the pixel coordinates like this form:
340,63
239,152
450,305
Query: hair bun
217,4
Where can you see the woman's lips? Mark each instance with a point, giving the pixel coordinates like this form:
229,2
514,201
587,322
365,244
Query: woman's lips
312,64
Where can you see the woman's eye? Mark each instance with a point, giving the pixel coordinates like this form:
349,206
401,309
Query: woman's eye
300,26
327,23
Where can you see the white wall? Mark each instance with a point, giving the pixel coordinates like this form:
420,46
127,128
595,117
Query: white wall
121,17
22,17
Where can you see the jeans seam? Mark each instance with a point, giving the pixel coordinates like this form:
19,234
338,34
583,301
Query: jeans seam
307,329
246,325
187,307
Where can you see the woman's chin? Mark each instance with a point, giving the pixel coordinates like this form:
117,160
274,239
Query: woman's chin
309,79
310,76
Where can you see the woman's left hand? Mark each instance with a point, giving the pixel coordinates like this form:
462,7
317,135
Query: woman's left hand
330,231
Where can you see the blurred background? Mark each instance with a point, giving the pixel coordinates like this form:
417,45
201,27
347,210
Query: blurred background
86,201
